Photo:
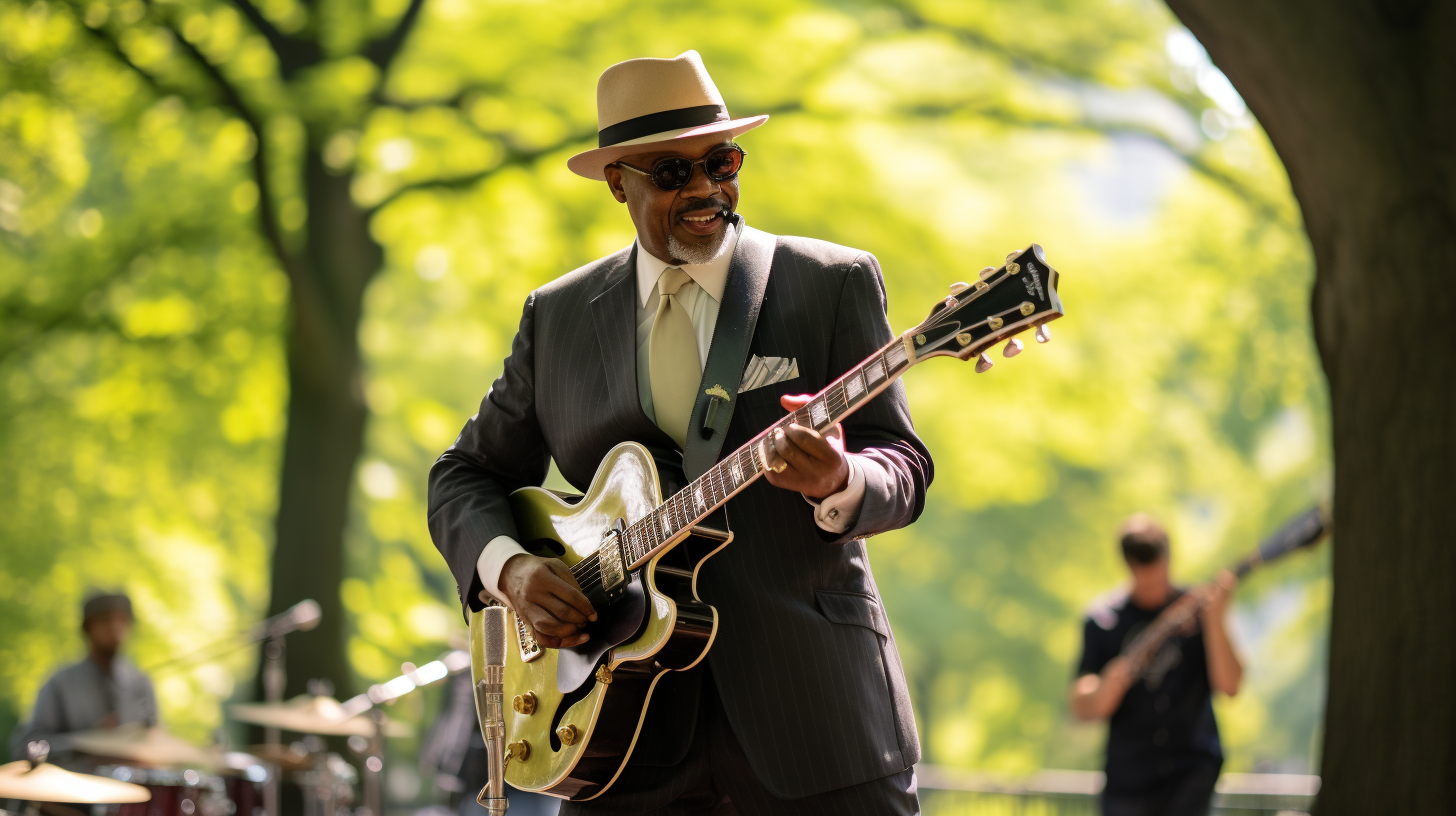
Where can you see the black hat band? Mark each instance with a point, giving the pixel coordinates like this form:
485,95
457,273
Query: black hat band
660,122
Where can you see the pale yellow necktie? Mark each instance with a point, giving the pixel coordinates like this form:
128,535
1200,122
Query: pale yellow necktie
672,358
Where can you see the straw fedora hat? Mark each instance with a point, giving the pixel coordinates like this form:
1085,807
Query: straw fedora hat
643,102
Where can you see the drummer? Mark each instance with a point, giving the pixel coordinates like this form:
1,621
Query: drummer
103,690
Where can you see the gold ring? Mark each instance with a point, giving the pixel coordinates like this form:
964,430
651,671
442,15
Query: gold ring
783,465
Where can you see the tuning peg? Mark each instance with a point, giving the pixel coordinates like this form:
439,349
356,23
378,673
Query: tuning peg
1013,348
987,272
983,364
1043,334
958,287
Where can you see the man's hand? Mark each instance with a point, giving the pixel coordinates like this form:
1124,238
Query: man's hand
543,592
815,464
1216,597
1097,696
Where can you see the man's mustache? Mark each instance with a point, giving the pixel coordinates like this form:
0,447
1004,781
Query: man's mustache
704,205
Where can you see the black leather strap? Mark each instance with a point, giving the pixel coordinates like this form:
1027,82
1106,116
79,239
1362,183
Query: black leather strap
737,317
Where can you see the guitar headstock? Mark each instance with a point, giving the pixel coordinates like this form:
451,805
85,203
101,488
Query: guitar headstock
1304,530
1003,302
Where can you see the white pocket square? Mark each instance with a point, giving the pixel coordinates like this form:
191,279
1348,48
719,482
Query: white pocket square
763,371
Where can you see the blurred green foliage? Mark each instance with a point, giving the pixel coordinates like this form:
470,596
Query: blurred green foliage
141,315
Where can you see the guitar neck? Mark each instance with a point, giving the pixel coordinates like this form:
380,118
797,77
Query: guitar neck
735,472
1304,530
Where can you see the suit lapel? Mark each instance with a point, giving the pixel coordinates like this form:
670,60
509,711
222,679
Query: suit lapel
737,316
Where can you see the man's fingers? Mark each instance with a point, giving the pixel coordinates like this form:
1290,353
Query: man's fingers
570,591
561,610
812,442
793,402
786,447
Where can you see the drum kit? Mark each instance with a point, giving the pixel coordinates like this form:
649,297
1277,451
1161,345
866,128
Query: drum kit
139,771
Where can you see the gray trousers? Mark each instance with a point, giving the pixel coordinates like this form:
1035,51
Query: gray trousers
715,779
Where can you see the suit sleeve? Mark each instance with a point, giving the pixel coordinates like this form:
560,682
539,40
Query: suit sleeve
896,465
500,449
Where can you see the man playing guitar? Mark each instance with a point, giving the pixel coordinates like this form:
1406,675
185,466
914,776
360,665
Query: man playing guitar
690,342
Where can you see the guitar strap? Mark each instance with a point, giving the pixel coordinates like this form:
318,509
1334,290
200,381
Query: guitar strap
728,354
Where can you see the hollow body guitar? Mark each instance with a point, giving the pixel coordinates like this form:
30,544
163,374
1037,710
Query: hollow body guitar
574,716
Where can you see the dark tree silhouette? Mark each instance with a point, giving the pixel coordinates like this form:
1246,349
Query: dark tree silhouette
1359,98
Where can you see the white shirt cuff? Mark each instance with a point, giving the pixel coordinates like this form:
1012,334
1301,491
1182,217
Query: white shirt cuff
839,512
490,563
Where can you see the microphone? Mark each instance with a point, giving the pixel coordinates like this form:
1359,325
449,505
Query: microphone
490,701
300,617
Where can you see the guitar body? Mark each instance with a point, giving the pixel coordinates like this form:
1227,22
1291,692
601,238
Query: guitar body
674,633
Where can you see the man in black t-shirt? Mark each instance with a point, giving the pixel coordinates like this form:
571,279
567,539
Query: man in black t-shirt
1163,752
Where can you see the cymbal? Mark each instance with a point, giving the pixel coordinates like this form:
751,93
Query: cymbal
149,746
50,783
281,755
314,714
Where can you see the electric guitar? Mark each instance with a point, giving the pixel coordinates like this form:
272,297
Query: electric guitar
575,713
1304,530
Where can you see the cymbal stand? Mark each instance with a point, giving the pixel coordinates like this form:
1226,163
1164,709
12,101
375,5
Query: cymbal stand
374,766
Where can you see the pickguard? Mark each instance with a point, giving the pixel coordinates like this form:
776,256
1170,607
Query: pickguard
614,626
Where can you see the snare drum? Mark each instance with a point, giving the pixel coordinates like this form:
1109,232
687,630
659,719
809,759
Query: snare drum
174,793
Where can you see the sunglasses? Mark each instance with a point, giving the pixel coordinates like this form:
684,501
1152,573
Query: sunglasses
675,173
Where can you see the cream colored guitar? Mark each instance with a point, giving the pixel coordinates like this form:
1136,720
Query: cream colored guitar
574,715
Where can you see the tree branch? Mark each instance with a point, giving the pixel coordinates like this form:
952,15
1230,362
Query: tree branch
267,218
514,159
293,54
114,48
67,315
382,52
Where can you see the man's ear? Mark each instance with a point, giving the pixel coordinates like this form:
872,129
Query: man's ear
614,183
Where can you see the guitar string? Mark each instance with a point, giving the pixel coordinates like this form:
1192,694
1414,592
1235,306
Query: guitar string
836,403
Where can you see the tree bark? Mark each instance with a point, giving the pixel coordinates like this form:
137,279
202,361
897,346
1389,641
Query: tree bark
1359,99
326,422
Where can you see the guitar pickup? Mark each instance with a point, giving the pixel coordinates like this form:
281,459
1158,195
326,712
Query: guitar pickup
610,563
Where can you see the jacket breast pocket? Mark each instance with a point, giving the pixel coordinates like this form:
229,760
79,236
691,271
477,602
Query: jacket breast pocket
853,609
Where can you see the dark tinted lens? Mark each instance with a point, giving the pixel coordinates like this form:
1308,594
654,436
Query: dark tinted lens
670,174
723,164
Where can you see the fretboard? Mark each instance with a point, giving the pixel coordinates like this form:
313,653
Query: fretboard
674,517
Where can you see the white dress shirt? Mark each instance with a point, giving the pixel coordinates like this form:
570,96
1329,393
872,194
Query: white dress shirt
701,297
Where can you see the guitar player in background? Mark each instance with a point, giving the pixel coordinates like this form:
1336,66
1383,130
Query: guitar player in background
801,706
1163,751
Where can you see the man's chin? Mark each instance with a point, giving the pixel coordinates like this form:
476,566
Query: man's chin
697,249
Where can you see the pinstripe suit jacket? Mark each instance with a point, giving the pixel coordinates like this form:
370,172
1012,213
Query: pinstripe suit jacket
804,661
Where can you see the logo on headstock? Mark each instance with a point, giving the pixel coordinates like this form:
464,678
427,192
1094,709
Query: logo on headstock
1032,282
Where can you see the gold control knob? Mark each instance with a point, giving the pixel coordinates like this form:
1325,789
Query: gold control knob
519,751
567,734
524,703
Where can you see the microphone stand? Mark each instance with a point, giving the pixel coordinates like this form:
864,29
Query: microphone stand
490,707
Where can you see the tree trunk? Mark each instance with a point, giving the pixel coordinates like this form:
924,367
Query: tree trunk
326,420
1359,98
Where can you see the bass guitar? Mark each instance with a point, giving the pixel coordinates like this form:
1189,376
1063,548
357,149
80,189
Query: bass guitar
574,714
1304,530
